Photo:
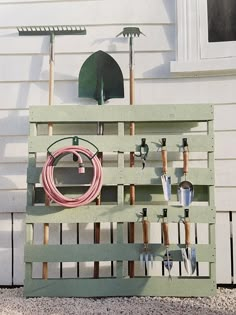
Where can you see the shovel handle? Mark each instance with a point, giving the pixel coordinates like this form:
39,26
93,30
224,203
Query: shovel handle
166,233
187,233
145,231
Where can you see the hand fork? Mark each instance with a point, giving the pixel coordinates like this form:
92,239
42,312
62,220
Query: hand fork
146,256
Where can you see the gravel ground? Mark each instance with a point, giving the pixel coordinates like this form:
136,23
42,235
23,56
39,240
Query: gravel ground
12,302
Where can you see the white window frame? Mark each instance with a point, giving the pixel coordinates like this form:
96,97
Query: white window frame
194,53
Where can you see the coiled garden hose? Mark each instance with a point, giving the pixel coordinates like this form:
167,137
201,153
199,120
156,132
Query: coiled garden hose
49,183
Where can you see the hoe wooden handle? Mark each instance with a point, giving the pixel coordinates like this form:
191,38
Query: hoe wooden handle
187,233
166,233
145,231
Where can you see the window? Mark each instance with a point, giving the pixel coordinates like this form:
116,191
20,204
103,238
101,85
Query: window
221,17
206,36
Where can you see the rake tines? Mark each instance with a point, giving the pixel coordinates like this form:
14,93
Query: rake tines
51,29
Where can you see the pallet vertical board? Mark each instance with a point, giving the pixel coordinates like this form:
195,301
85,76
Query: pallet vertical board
117,177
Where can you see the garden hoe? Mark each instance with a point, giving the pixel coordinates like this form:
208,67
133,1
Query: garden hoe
168,262
165,179
100,78
185,189
50,31
131,32
146,256
188,253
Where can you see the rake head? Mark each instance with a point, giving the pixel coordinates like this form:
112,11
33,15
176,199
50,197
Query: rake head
130,32
52,29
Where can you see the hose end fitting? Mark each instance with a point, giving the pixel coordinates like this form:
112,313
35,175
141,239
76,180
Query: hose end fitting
81,168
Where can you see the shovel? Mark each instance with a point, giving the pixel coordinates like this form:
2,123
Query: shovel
168,262
188,253
165,179
185,189
146,256
100,78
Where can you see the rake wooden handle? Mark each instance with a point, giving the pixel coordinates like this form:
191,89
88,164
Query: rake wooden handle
187,233
145,231
164,160
166,233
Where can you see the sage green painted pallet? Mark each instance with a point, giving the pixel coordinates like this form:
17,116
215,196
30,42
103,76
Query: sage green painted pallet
116,179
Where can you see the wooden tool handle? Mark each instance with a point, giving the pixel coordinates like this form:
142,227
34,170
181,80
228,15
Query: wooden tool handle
145,231
166,233
187,233
164,160
186,158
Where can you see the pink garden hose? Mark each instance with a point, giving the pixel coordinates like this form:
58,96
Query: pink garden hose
49,183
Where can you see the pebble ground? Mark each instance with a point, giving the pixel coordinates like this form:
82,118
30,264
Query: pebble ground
12,302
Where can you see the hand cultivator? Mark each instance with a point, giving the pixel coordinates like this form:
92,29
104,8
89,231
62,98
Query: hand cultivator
146,256
168,263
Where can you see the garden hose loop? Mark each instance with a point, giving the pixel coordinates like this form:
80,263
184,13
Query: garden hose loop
48,179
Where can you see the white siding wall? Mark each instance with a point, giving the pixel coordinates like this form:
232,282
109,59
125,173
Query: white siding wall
23,83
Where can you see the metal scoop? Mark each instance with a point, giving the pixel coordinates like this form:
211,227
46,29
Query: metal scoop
188,253
185,190
146,256
165,179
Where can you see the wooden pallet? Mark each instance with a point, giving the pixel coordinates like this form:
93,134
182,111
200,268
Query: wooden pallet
152,122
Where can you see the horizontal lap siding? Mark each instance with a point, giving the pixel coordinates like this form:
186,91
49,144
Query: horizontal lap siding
24,83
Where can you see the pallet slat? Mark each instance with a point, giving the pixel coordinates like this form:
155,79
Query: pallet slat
114,213
137,176
153,286
108,252
111,143
139,113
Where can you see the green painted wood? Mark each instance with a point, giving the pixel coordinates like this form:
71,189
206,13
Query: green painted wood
144,286
145,194
115,213
148,194
115,143
123,113
137,176
109,252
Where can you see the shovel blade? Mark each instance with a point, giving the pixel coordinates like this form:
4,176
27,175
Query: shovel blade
166,185
189,258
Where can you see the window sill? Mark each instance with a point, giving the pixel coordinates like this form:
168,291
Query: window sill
221,66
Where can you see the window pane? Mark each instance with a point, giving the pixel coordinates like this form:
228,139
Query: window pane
221,20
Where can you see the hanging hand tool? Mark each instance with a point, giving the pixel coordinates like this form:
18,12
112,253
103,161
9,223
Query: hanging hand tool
146,256
188,253
165,179
100,78
185,189
131,32
168,262
143,152
51,31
